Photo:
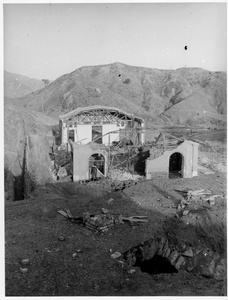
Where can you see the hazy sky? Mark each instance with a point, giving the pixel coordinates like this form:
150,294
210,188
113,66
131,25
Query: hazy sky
49,40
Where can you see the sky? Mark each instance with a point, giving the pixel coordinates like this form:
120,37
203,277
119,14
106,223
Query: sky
45,41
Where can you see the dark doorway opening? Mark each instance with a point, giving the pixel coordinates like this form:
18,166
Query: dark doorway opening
140,162
71,135
157,265
176,165
96,166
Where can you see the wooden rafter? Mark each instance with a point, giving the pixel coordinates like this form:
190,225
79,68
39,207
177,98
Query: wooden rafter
99,115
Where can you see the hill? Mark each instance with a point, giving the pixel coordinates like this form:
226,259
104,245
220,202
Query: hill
187,95
16,85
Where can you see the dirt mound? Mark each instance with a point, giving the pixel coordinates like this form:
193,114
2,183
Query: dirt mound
182,95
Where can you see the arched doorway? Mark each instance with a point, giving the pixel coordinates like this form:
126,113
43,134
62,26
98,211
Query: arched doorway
96,166
176,162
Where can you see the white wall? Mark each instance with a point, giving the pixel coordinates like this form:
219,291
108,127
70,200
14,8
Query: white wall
83,132
113,136
161,164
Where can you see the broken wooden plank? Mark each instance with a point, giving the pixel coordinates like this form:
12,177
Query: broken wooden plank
130,219
139,217
182,191
63,213
69,214
195,193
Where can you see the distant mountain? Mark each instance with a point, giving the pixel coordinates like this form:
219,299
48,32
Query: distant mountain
16,85
191,96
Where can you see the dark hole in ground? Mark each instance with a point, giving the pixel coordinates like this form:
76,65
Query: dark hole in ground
156,265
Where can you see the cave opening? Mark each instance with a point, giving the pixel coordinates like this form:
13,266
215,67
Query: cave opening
156,265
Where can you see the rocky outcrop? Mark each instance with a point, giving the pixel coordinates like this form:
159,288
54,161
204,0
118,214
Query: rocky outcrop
26,151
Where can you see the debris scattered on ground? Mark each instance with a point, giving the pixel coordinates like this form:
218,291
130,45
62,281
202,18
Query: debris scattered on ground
140,219
25,261
99,223
67,214
191,196
110,200
102,222
115,255
121,175
75,255
104,210
24,270
121,263
61,162
207,163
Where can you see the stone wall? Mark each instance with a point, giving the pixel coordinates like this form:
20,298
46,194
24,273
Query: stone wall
199,260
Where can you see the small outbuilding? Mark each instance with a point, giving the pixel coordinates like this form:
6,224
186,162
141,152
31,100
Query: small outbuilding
181,161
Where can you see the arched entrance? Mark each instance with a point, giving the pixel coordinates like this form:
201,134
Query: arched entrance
176,162
96,166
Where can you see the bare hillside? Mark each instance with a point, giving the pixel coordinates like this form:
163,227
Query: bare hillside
186,95
16,85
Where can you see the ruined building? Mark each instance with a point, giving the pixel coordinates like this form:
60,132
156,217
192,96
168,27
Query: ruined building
96,134
172,157
91,131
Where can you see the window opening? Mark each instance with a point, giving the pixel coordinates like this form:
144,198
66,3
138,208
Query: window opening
71,135
97,134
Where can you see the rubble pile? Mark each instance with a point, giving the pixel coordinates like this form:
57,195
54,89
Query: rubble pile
61,161
101,223
199,196
212,161
121,144
121,175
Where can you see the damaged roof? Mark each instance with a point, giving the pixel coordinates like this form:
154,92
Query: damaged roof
79,110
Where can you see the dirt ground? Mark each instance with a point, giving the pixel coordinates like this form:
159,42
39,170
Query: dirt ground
67,259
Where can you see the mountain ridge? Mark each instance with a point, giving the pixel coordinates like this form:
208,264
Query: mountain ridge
16,85
146,91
